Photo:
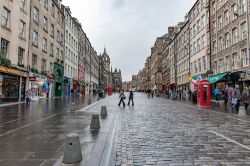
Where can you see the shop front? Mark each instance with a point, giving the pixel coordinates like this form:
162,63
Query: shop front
67,86
39,86
76,86
12,85
59,78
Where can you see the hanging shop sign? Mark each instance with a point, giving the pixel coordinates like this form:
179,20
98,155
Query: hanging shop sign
32,78
9,71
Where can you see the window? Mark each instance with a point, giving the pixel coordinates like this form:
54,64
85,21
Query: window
245,57
235,35
44,45
52,30
66,35
243,6
34,61
243,29
235,61
203,42
58,36
215,67
199,62
57,53
191,33
46,4
22,27
45,24
198,26
4,48
22,4
226,17
51,67
202,21
227,40
6,18
194,30
220,44
221,66
53,10
234,11
35,38
36,15
61,55
194,47
214,47
43,65
61,39
227,63
51,49
220,23
20,55
204,64
198,45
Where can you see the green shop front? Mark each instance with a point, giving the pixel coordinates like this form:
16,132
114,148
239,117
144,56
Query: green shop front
59,77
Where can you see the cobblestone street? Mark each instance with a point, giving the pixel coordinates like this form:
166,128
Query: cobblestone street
161,132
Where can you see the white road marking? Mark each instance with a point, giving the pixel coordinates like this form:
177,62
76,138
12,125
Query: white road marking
230,140
14,120
26,125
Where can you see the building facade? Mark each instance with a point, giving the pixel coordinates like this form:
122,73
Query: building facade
46,48
182,57
71,83
230,41
14,49
116,80
94,70
199,39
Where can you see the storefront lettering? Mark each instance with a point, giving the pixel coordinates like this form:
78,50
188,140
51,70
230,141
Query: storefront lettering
10,71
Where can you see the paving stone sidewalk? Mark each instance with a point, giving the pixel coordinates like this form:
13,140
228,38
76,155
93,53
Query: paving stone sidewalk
161,132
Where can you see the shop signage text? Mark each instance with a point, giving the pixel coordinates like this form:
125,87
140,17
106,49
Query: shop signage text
10,71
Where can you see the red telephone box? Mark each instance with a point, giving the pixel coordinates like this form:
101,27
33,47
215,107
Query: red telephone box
203,93
110,91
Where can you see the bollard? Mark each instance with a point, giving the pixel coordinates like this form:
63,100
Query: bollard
89,101
72,149
98,98
242,111
104,111
95,123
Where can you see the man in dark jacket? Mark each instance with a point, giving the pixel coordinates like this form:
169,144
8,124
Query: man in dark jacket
131,97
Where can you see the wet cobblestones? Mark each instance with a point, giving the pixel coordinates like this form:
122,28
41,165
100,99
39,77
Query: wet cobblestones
161,132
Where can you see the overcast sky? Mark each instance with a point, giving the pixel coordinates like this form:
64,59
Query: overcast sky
127,28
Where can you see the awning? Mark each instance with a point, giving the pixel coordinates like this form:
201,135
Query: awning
216,78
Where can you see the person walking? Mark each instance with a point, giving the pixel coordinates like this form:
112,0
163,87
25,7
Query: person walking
131,98
237,95
246,97
217,94
225,98
122,98
28,96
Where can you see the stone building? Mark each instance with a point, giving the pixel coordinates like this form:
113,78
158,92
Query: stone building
14,34
71,53
94,70
199,39
105,73
166,59
46,48
81,57
230,41
87,66
182,57
116,80
156,64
